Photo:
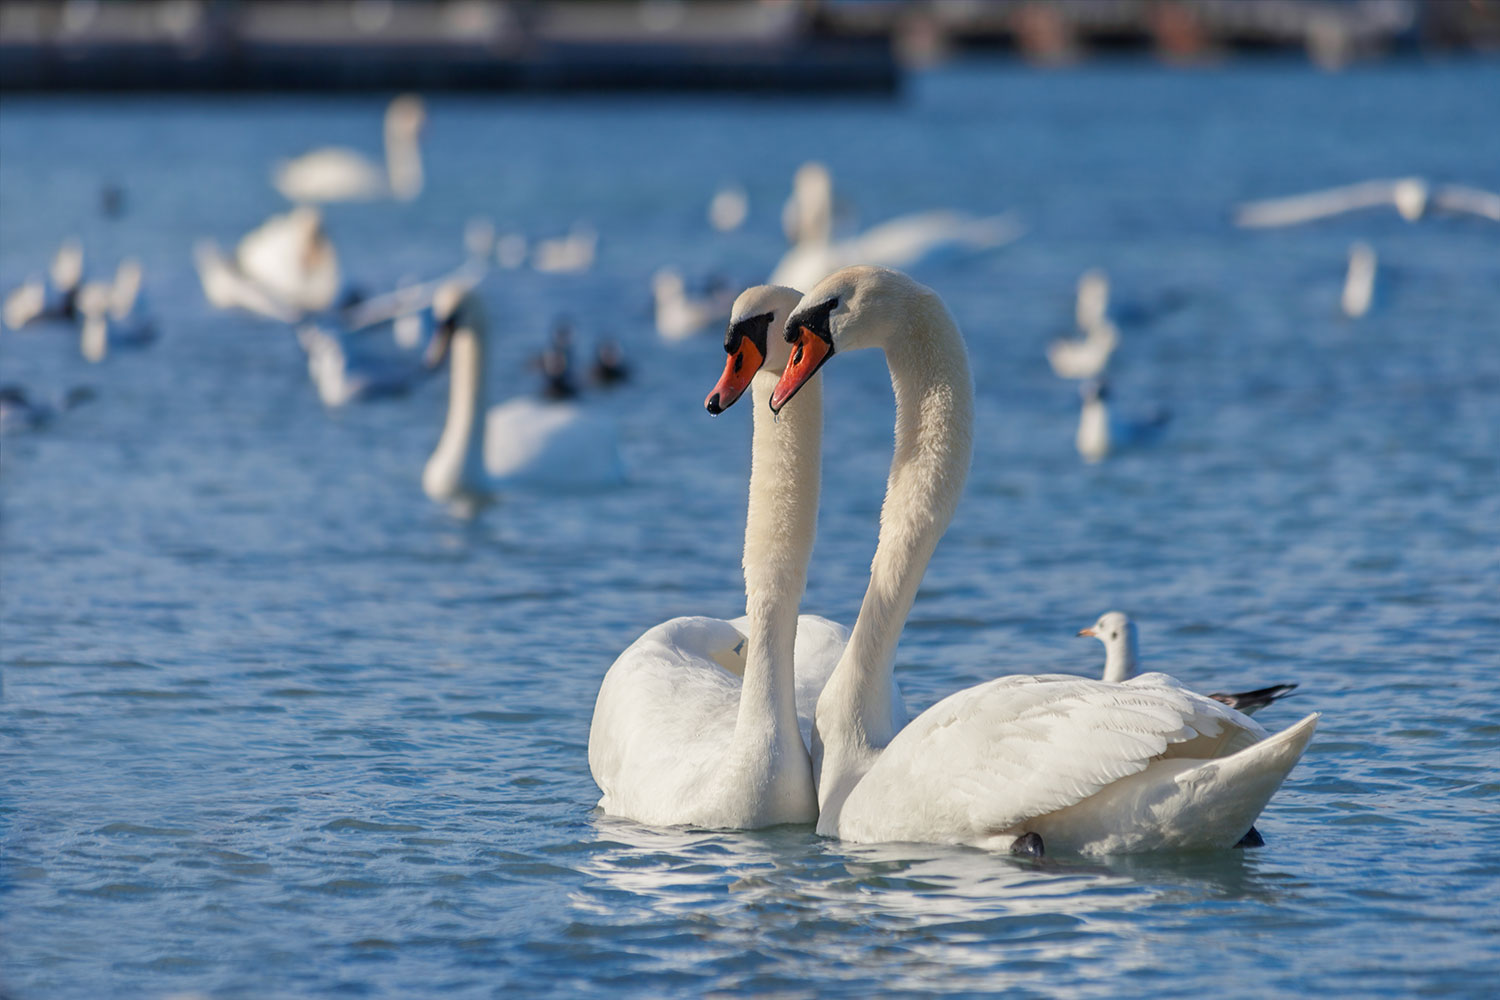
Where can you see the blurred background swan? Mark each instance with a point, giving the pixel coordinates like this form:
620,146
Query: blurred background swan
1102,432
337,174
53,297
1412,197
115,314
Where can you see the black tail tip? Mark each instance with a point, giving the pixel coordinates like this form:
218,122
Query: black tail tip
1028,845
1252,839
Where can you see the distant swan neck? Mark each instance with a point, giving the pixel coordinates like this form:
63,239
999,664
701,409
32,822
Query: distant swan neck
403,163
457,464
780,526
934,431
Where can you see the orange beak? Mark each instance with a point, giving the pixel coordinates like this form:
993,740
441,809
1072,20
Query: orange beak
808,354
1088,631
738,371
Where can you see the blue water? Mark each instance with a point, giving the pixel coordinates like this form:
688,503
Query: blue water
273,724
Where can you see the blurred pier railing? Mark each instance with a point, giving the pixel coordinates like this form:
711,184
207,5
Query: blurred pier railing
240,45
749,45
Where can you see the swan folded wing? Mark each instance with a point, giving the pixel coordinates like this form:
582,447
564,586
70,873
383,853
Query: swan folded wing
330,174
983,762
664,718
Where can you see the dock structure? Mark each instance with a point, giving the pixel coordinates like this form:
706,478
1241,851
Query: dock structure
776,46
473,45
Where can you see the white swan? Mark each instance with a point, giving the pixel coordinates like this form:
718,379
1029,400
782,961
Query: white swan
291,257
1122,662
523,442
344,374
225,286
572,253
115,315
697,721
1101,432
1413,197
336,174
51,298
678,315
728,208
905,242
1084,765
1359,281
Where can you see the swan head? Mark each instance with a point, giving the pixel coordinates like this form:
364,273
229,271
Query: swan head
753,341
406,115
853,308
454,308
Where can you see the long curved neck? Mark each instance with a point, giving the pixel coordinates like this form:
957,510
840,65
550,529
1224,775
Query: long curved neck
934,440
403,162
457,464
780,526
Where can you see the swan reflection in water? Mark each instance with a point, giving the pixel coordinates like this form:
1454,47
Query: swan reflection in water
954,914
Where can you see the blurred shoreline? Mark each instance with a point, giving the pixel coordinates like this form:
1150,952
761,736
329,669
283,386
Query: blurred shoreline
773,46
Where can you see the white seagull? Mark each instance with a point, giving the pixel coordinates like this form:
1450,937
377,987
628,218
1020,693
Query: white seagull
1413,197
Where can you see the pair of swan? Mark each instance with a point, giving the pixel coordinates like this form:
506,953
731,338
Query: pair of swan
336,174
522,442
904,242
1081,765
1121,642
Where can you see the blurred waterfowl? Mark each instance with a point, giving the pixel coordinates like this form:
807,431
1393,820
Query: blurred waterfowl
115,315
1102,432
1359,281
1088,357
572,253
291,256
609,368
1414,198
908,241
225,286
49,298
523,442
1122,661
1068,762
680,315
728,208
339,174
708,722
20,411
342,373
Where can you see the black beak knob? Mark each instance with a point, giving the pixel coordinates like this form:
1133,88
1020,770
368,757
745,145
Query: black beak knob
713,406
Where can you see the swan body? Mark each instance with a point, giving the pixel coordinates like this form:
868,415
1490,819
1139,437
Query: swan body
1102,433
525,442
225,286
53,297
114,315
683,732
1359,281
1121,641
1091,767
678,315
291,257
1412,197
905,242
342,374
337,174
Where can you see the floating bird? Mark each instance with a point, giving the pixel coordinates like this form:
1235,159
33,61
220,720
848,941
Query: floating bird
1101,433
609,368
708,722
115,315
570,254
905,242
1413,197
54,297
680,315
291,257
1359,282
1122,659
1076,764
225,286
343,374
728,208
523,442
20,412
336,174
